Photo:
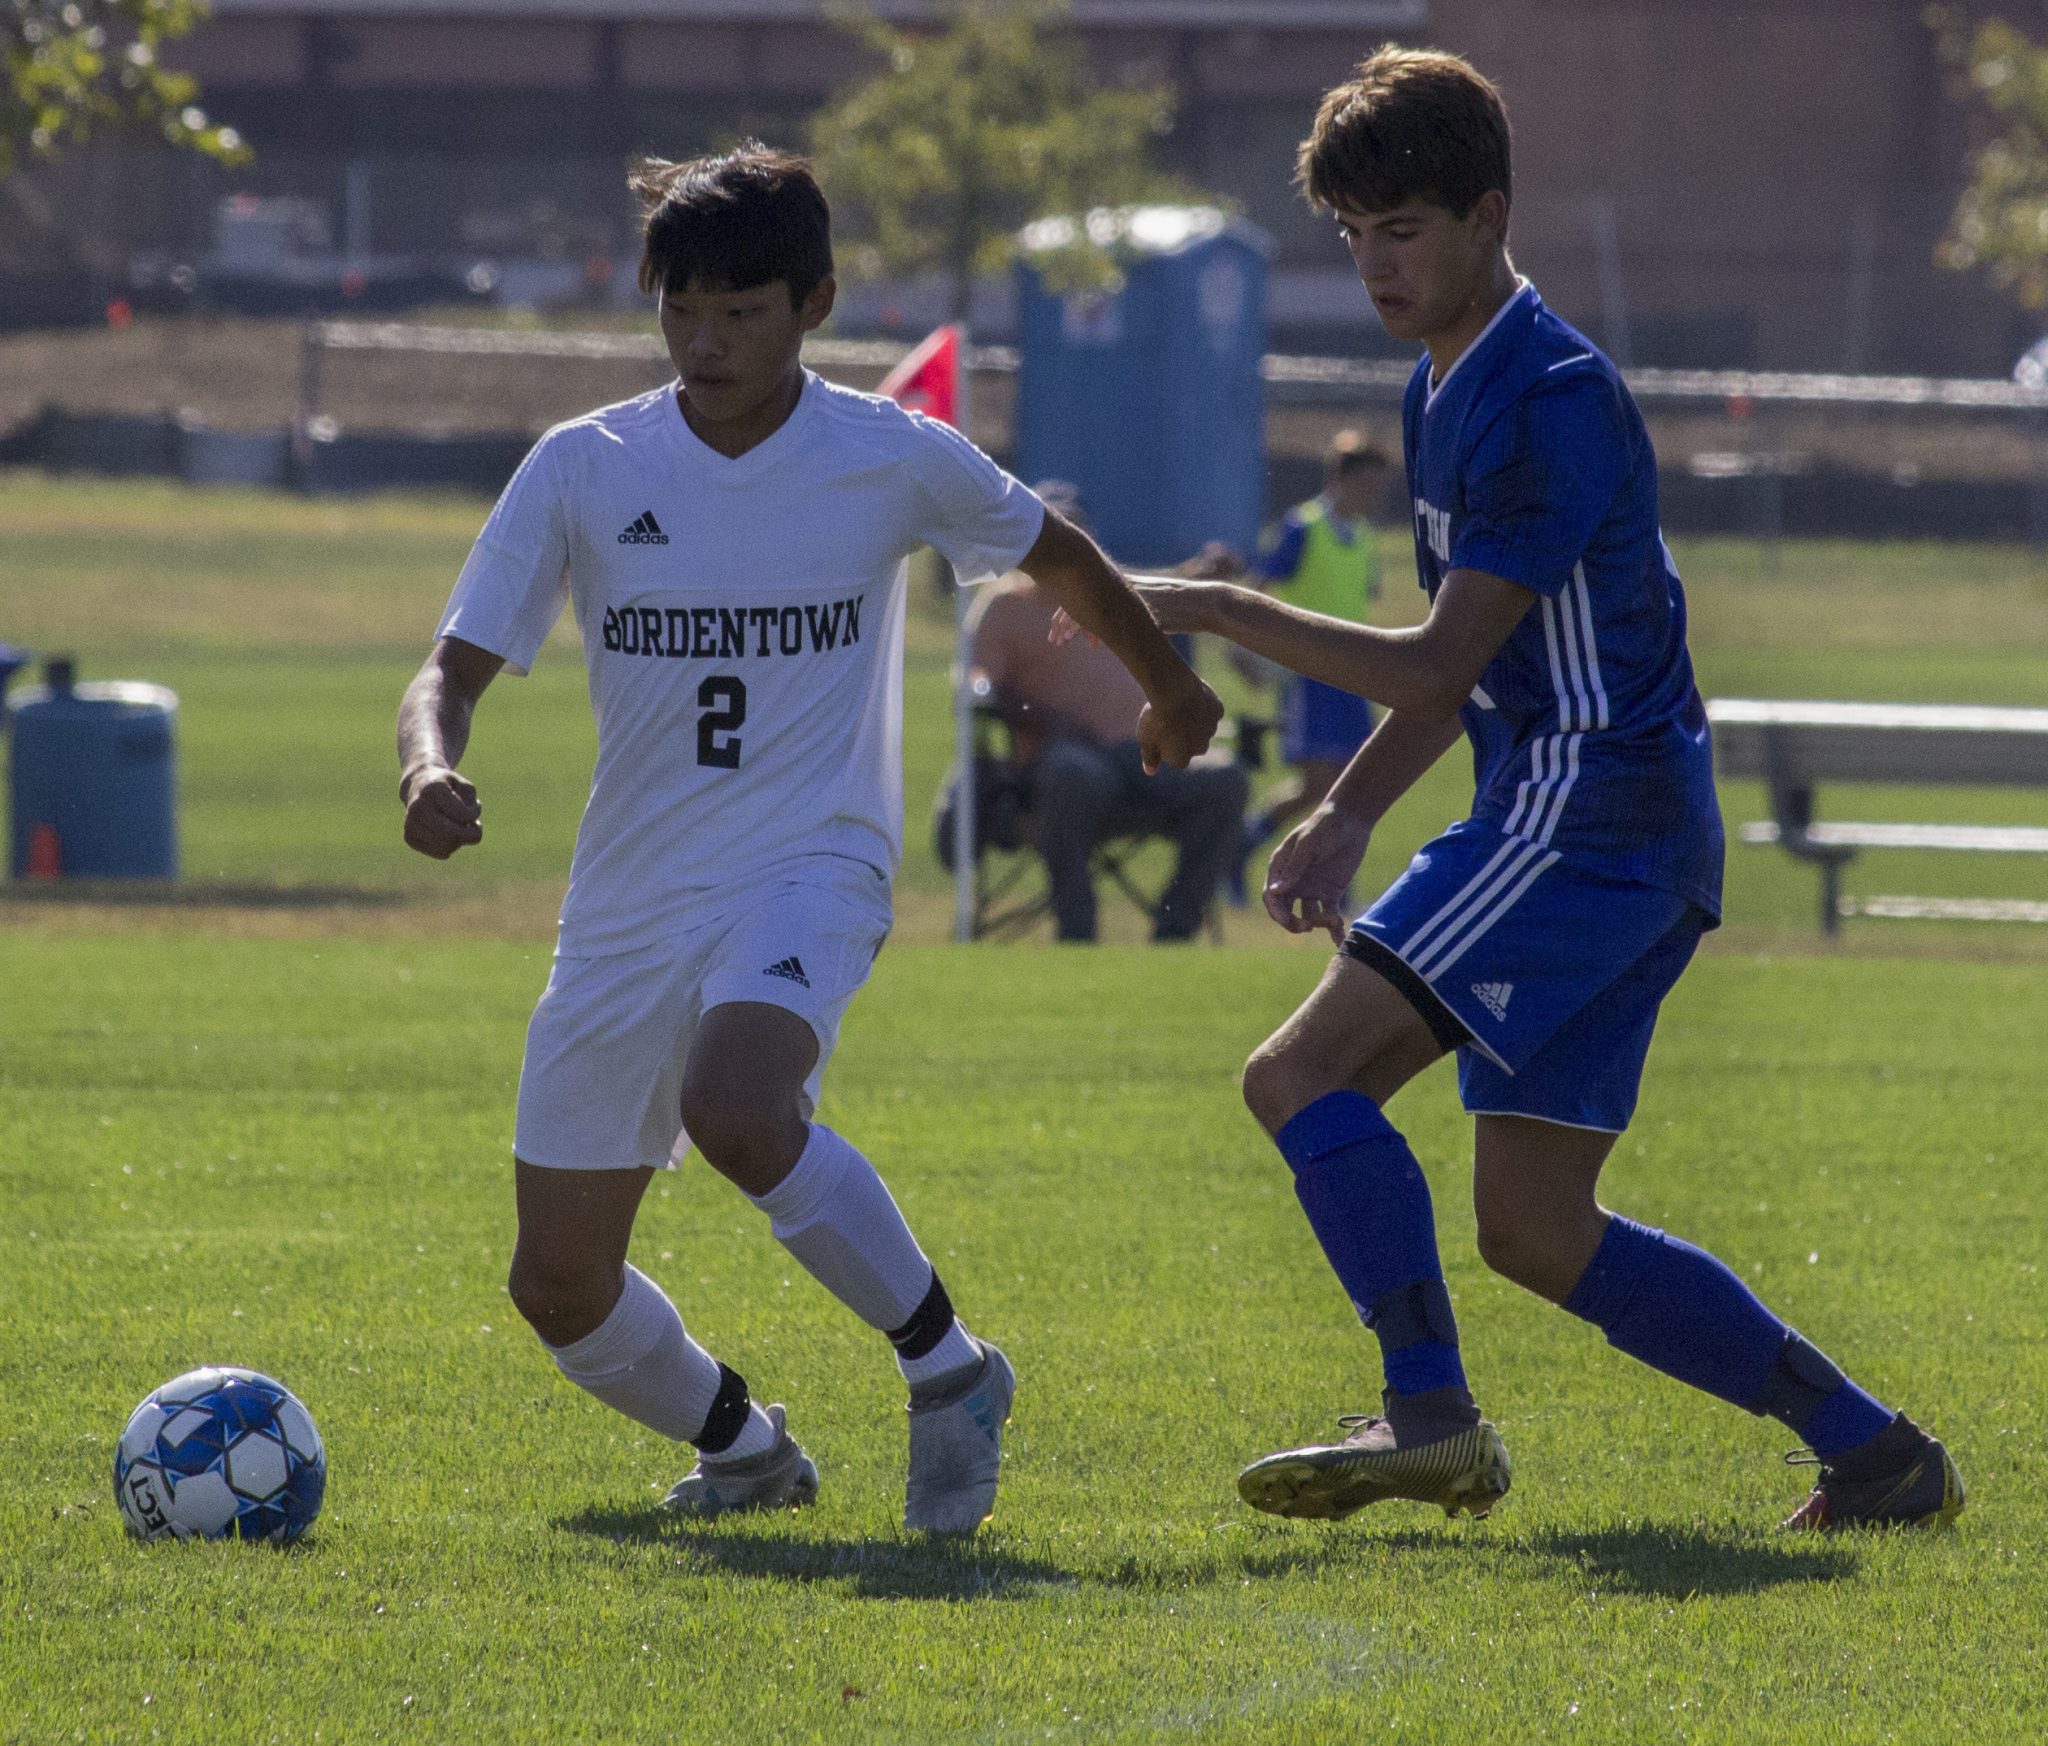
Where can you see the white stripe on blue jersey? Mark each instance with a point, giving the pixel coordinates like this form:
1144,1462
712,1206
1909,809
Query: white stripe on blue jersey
1529,461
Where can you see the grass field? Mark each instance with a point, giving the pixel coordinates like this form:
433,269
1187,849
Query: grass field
289,628
274,1133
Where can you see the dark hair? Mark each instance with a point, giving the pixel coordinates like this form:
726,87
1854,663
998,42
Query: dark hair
733,221
1411,122
1350,453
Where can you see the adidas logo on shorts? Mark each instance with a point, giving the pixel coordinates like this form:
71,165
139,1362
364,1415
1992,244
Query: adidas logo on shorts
644,532
1494,996
790,970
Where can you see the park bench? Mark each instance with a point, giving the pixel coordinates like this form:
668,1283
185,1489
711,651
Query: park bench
1793,747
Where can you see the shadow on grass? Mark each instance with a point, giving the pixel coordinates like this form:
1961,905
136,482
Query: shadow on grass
1648,1559
1674,1563
912,1568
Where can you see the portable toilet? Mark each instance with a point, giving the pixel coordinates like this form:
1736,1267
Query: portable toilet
93,786
13,657
1148,398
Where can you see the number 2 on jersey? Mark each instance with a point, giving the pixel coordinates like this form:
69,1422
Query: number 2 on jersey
724,703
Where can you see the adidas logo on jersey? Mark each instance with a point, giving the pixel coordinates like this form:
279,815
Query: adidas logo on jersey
790,969
1494,996
644,532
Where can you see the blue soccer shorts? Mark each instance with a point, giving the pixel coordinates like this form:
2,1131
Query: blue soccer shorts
1544,978
1318,722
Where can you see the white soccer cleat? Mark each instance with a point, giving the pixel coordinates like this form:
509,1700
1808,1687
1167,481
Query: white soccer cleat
956,1446
783,1477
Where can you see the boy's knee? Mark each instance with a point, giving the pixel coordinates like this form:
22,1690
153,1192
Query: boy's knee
1542,1250
1277,1087
744,1136
1507,1246
561,1297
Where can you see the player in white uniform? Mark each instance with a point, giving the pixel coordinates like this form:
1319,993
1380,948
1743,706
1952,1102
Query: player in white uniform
730,547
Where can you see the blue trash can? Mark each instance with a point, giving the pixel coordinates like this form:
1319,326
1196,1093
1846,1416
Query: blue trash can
94,779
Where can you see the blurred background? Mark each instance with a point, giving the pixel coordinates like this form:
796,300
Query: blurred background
1802,187
288,286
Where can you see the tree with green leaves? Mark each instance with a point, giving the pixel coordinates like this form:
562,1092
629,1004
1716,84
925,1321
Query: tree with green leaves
2000,222
74,66
965,133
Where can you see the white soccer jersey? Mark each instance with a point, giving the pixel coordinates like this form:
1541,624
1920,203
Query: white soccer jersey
742,621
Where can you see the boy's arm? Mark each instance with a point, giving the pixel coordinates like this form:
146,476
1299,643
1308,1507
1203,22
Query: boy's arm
1429,668
1398,753
442,812
1181,713
1311,869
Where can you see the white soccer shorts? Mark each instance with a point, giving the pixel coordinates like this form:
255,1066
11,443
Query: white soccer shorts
601,1085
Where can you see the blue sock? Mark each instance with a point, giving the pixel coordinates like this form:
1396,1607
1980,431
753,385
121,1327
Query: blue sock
1369,1206
1682,1312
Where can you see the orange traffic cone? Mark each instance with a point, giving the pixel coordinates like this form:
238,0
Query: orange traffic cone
45,854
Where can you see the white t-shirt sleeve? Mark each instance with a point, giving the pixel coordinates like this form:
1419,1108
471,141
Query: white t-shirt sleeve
515,582
980,518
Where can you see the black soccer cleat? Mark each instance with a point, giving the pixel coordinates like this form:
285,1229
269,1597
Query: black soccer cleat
1920,1489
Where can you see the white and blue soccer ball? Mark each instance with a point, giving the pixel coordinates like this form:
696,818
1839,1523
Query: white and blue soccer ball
220,1452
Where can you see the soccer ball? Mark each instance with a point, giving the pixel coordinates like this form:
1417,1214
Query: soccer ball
220,1452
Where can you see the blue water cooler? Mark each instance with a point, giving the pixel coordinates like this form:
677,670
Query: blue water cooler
1149,399
94,779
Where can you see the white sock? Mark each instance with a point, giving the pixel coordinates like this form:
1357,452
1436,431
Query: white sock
837,1217
955,1351
642,1362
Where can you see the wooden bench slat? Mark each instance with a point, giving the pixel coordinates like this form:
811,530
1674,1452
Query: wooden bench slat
2000,839
1802,743
1992,758
1930,717
1982,909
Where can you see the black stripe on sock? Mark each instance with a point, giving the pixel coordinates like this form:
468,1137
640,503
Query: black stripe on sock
728,1415
1449,1030
929,1323
1802,1378
1409,1313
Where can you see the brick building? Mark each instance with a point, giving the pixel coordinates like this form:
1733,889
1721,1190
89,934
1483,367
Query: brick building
1720,182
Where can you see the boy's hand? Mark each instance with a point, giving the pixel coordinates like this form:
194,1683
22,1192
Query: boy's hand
442,812
1177,730
1312,869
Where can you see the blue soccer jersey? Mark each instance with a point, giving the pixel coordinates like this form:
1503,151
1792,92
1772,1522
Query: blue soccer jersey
1530,461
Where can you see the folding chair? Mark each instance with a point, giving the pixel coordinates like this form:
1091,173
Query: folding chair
1011,890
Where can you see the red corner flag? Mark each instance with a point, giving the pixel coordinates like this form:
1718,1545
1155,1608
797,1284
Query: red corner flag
928,379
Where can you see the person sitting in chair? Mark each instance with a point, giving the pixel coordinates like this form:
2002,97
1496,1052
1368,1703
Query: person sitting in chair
1072,714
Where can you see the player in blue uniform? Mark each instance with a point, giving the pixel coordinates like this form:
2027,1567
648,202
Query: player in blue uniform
1536,938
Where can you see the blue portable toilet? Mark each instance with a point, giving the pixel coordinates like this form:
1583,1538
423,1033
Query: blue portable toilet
94,779
13,657
1149,398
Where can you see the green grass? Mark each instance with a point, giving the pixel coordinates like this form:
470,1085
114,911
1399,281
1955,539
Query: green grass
310,1178
279,1137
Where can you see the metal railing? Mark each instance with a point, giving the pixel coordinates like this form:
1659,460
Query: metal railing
1348,378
